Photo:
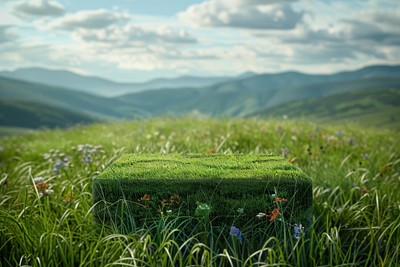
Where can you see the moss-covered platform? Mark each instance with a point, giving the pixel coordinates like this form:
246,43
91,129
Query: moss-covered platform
241,190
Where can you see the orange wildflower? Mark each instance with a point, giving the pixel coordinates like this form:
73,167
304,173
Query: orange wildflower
274,214
42,186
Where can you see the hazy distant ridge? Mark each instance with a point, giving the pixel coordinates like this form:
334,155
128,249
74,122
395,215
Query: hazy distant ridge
104,87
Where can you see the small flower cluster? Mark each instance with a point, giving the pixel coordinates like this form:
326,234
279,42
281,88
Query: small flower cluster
168,203
144,201
58,159
41,187
87,151
175,198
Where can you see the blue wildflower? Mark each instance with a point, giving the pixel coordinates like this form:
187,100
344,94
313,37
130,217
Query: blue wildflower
298,230
235,231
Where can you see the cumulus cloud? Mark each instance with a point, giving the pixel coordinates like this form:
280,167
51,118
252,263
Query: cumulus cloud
39,8
363,32
252,14
88,19
129,34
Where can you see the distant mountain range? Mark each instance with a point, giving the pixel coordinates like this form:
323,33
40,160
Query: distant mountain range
291,93
104,87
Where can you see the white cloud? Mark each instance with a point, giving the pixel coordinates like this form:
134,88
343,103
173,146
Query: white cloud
128,35
39,8
88,19
254,14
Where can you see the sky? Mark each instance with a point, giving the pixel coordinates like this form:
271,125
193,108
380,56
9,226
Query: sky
139,40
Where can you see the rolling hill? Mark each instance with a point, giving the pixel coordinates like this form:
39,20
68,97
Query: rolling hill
379,108
242,97
35,115
101,108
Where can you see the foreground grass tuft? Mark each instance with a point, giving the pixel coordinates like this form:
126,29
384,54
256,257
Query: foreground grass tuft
48,221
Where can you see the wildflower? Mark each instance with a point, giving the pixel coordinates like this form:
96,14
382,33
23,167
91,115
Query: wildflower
240,210
41,187
236,232
260,215
274,214
60,164
169,211
279,199
87,159
298,230
145,197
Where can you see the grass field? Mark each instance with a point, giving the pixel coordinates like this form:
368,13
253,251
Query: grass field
49,221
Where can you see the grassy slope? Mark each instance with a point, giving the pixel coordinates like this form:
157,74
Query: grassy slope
34,115
378,108
95,106
355,174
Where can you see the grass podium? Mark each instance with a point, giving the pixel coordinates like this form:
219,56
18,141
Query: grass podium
249,192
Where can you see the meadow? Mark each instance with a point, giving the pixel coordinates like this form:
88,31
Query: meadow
356,195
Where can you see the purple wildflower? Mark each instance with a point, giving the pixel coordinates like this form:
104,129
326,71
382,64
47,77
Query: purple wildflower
235,231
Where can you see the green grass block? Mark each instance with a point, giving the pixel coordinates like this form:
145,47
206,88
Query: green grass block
248,191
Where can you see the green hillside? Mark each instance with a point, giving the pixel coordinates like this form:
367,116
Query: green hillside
92,105
379,108
34,115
